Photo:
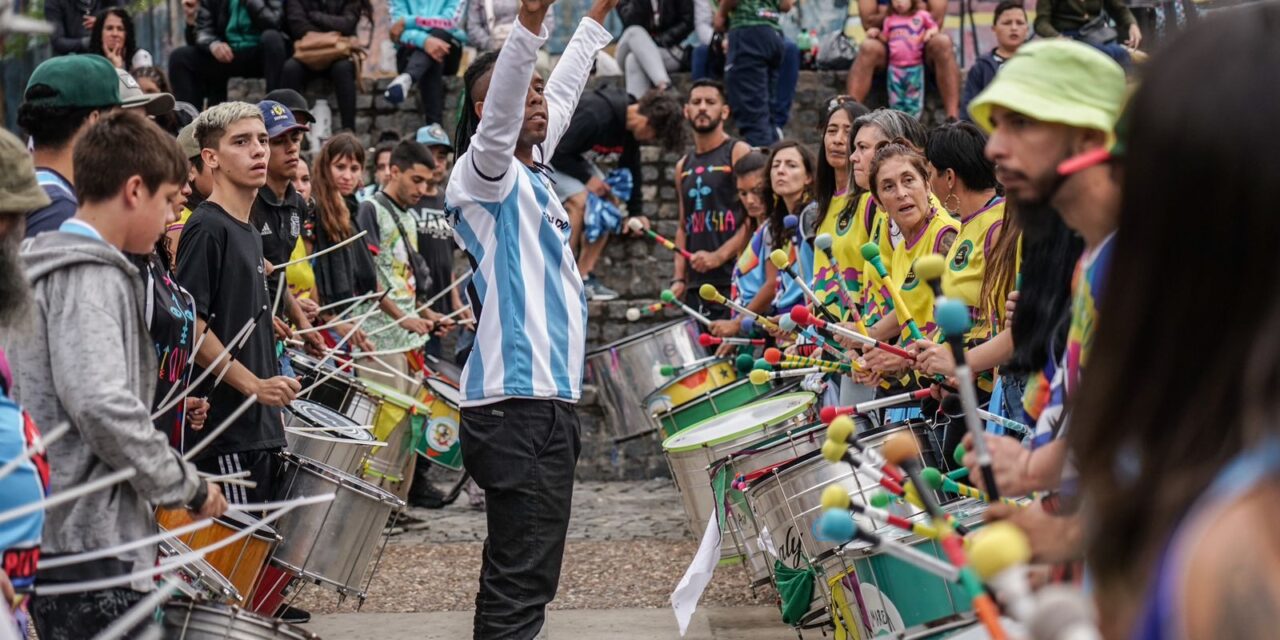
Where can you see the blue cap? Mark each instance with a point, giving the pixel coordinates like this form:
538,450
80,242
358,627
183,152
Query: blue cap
278,118
433,135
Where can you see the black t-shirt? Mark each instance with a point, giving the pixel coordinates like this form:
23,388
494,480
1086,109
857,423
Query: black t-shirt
279,222
711,211
220,264
435,243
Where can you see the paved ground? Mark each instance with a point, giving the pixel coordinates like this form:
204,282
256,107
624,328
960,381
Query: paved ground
628,546
738,623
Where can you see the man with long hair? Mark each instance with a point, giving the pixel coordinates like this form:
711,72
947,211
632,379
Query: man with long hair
519,430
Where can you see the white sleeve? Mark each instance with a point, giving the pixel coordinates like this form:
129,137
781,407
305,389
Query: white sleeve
569,79
702,21
493,145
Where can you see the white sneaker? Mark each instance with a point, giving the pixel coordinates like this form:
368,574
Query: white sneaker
398,89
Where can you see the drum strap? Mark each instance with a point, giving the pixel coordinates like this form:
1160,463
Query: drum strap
841,615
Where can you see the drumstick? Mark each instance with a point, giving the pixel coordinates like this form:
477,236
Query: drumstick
366,427
275,306
143,609
226,349
836,497
836,451
638,227
672,370
235,351
670,298
939,482
223,426
830,413
329,353
871,252
181,560
384,352
69,494
999,553
226,476
1011,425
841,430
386,368
321,252
454,314
782,261
351,300
415,315
954,319
340,320
440,294
708,340
802,316
837,525
759,377
709,293
634,313
40,445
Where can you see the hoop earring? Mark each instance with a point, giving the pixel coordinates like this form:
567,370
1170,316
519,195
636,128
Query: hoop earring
946,204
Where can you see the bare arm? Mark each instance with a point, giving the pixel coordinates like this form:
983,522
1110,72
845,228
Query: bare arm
239,377
678,273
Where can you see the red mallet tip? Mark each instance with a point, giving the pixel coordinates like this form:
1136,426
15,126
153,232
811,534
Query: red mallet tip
827,414
800,315
708,340
772,355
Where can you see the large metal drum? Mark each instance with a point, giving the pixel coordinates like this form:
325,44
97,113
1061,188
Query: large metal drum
332,543
187,620
787,500
390,467
628,370
321,433
342,392
692,452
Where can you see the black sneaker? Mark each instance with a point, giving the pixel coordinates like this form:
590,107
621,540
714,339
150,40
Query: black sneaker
426,496
294,615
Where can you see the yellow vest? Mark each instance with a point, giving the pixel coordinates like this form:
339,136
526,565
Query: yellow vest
967,262
916,293
848,233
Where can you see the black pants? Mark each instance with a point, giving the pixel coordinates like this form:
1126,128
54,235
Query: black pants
755,55
342,74
522,453
75,616
263,467
197,76
428,75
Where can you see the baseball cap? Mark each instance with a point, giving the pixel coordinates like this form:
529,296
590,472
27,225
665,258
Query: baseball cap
131,96
187,141
295,102
77,81
279,118
1059,81
19,191
433,135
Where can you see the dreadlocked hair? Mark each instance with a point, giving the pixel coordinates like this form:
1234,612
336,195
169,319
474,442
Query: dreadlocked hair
467,118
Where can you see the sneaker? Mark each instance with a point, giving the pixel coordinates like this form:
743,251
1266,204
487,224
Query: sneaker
425,495
597,291
294,615
475,495
398,89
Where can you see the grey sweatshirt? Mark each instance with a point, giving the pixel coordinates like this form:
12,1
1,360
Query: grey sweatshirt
85,358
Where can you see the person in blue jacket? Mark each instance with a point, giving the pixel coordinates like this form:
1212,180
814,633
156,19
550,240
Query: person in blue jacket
1010,26
429,36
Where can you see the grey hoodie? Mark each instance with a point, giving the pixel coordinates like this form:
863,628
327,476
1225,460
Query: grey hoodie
86,359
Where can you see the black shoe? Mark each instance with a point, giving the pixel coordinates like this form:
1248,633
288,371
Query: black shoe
426,496
294,615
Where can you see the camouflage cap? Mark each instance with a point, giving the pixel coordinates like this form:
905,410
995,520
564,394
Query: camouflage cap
19,191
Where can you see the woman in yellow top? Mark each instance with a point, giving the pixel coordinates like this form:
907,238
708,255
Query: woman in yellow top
900,181
833,190
301,277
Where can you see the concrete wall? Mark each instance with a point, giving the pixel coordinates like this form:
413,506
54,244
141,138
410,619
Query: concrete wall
638,269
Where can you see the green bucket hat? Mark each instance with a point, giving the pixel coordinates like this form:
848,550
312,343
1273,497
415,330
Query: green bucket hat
1058,81
77,81
19,191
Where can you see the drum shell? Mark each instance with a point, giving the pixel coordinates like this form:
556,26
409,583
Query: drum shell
332,543
212,585
347,456
718,400
185,620
786,502
689,470
338,392
441,441
627,371
391,467
241,562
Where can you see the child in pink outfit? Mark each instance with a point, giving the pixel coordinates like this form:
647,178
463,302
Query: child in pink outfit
906,30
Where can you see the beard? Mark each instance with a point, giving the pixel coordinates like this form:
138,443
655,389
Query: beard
707,128
15,293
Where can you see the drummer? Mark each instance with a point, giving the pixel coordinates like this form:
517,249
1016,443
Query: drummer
712,225
19,538
86,287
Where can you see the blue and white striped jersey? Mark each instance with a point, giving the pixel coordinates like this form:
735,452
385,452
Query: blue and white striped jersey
526,291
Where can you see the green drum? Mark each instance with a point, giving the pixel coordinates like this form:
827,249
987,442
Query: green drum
714,402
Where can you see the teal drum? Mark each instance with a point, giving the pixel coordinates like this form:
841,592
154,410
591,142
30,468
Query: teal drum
879,596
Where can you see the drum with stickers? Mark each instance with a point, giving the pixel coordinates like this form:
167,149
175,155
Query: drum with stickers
692,453
397,421
439,441
321,433
786,501
698,393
